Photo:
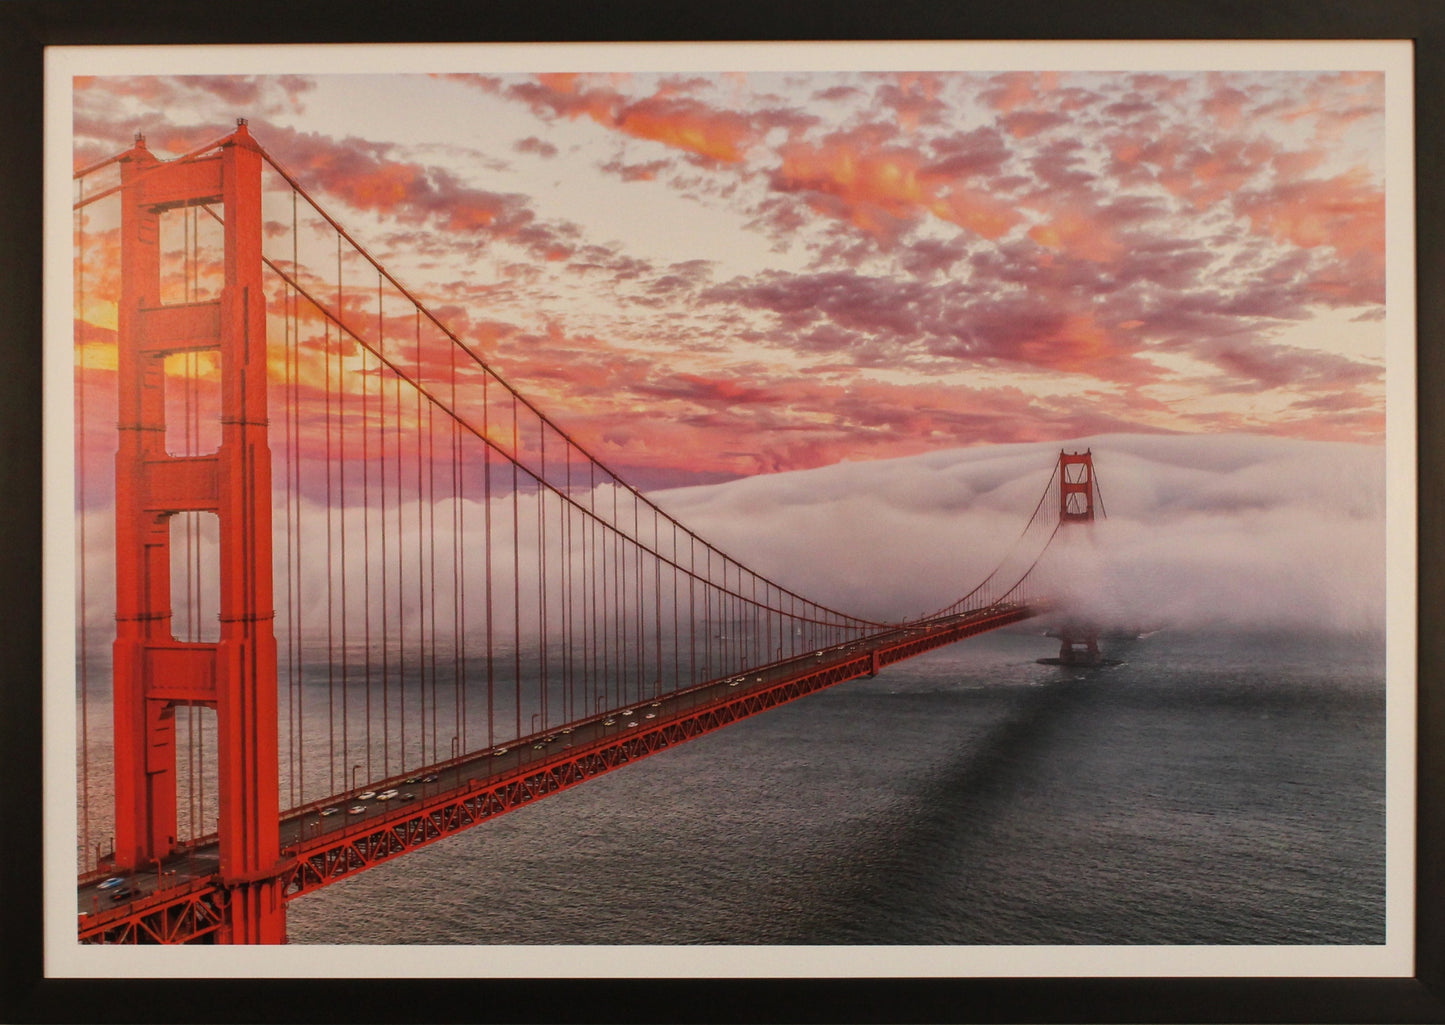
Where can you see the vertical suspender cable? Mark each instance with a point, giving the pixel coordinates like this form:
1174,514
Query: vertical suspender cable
341,487
426,575
657,604
386,579
366,520
386,588
564,573
401,574
293,489
487,544
676,631
330,564
293,598
458,640
295,414
641,613
80,494
516,583
594,644
543,684
431,535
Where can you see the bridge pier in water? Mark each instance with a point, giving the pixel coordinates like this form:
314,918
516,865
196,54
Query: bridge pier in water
1078,646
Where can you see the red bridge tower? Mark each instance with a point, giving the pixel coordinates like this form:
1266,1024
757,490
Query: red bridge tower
154,672
1079,642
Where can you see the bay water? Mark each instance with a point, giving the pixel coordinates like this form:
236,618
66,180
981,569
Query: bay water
1212,788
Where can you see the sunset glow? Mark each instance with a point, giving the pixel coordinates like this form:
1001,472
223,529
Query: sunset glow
701,276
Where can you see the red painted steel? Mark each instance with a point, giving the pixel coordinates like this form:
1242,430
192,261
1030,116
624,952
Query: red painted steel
154,672
1076,487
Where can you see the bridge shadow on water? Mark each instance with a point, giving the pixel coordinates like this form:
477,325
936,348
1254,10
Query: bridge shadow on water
1129,805
889,881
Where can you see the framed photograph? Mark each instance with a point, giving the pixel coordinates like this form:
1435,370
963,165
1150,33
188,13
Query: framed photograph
939,527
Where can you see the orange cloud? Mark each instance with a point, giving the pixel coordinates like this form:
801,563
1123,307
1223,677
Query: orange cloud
977,211
1079,344
1073,230
688,125
1346,212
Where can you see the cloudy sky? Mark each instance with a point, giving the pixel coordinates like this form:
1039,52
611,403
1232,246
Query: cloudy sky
704,276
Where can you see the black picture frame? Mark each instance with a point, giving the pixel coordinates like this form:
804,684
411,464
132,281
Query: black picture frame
28,26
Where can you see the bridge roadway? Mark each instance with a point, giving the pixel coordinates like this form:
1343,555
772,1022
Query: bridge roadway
322,824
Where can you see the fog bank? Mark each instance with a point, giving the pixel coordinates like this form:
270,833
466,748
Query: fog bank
1199,532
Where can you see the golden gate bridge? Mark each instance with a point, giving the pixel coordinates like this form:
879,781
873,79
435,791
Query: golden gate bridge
366,594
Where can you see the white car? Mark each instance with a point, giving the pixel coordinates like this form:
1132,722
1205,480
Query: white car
367,796
329,811
387,795
356,809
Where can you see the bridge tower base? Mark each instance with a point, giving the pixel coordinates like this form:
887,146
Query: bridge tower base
1079,648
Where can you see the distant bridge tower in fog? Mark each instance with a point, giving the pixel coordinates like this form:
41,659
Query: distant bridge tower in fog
1078,638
